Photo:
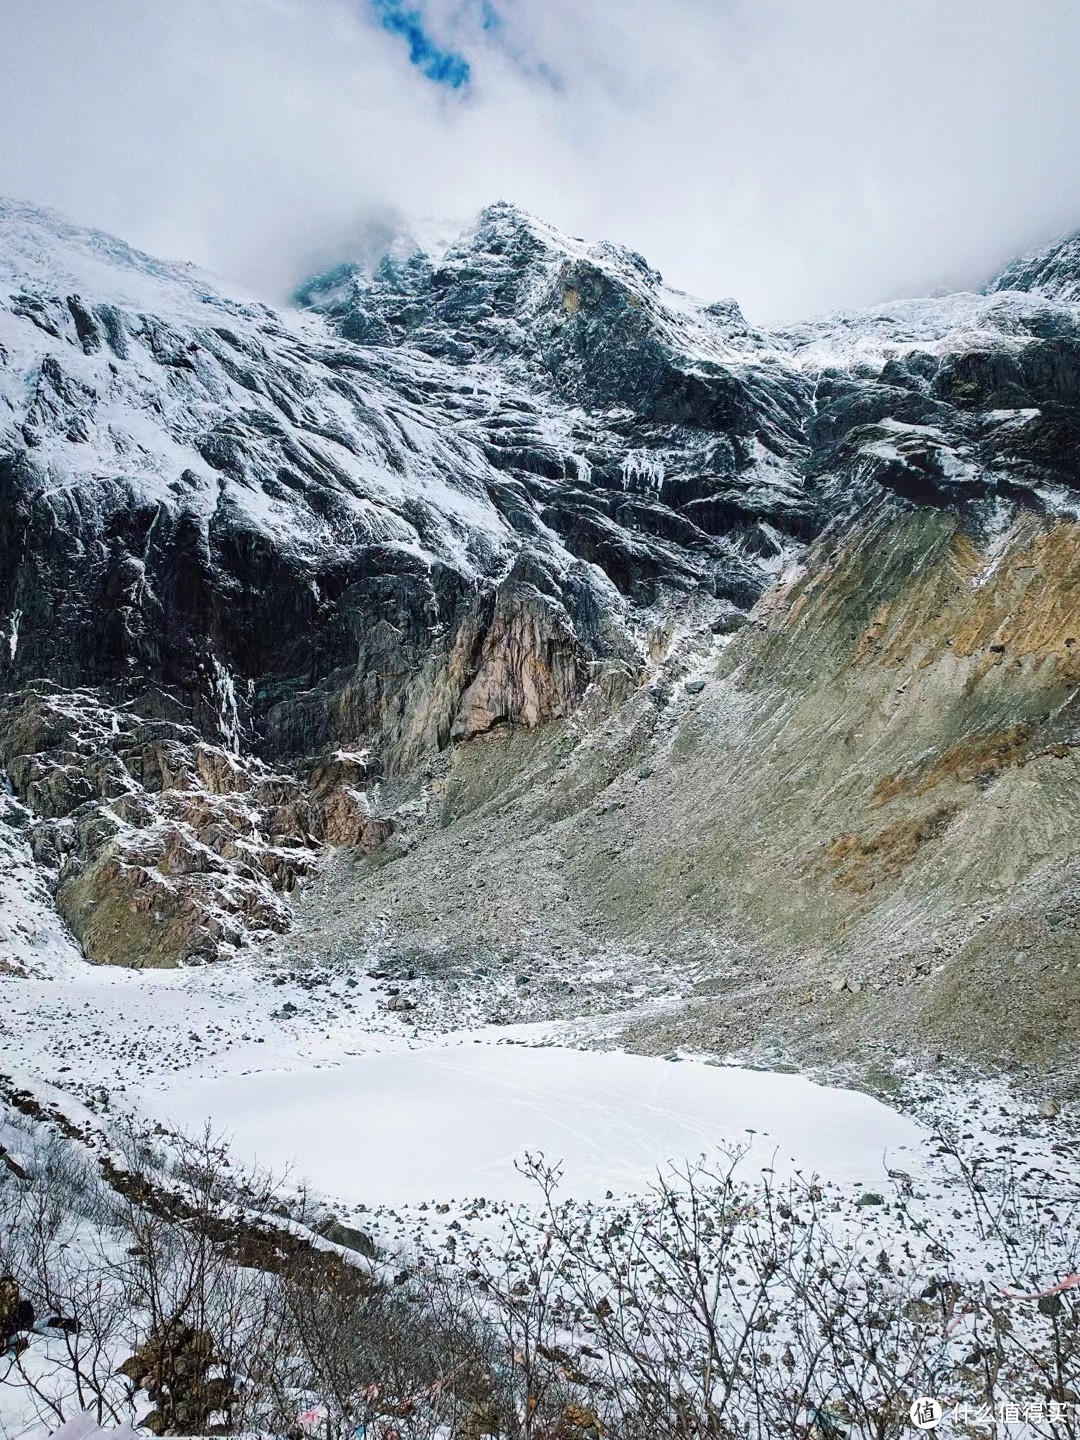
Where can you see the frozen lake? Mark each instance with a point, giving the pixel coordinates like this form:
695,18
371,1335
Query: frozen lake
448,1121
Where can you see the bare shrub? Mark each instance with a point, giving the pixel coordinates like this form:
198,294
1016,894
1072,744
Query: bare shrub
720,1309
708,1310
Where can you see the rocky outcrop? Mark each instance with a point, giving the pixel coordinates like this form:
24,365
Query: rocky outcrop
1053,271
162,848
528,666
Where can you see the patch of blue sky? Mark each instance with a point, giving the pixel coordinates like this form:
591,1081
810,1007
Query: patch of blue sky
443,66
485,21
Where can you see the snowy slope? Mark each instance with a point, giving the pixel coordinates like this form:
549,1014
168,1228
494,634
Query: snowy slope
122,370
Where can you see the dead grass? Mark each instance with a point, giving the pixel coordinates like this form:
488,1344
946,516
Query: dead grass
1023,606
863,861
970,761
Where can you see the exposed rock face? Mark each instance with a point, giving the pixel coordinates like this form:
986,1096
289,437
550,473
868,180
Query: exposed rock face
305,539
162,847
727,641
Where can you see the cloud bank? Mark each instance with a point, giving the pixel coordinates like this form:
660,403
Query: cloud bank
798,154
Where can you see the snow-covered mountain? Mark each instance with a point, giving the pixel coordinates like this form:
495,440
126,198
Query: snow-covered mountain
523,411
1053,271
265,574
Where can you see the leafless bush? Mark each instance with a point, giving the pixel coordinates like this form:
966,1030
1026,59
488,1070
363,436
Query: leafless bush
709,1310
51,1251
719,1310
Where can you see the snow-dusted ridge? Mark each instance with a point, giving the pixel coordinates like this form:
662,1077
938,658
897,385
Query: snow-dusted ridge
164,360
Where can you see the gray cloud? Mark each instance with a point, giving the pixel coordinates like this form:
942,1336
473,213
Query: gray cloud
798,154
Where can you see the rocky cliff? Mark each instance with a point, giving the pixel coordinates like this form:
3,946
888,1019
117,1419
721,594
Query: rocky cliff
594,622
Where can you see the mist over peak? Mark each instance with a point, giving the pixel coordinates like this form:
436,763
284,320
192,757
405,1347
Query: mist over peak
798,158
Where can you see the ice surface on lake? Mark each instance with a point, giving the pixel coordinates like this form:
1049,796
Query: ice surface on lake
446,1122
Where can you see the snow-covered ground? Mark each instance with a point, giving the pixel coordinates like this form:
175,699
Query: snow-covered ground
309,1072
416,1136
453,1119
324,1083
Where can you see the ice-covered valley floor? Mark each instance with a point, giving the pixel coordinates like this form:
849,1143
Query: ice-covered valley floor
311,1076
414,1132
323,1081
452,1119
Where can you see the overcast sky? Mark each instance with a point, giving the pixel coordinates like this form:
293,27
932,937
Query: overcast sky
797,154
